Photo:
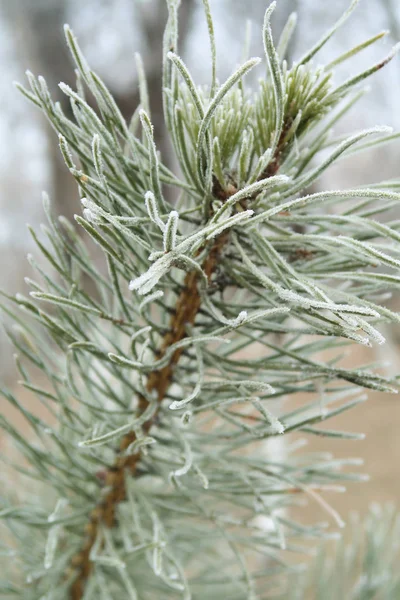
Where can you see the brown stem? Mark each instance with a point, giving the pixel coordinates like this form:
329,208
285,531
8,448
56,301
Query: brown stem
187,307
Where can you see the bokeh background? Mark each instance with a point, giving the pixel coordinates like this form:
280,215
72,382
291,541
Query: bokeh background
110,32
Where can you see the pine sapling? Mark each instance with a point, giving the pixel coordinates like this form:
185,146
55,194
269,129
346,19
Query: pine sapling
165,371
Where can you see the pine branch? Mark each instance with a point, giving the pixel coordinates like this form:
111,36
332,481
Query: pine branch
362,565
152,471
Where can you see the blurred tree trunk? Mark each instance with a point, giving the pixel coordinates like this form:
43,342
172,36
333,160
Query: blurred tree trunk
38,29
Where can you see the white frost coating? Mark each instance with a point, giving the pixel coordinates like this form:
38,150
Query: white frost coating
151,298
146,282
188,457
276,425
170,231
152,209
217,314
177,404
90,215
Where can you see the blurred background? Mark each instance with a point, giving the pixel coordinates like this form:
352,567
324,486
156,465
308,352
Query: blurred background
110,32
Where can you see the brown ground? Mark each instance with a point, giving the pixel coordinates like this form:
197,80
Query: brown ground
379,419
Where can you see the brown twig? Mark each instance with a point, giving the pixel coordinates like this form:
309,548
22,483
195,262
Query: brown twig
187,307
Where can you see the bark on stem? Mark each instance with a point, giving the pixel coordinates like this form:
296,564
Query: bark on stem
187,307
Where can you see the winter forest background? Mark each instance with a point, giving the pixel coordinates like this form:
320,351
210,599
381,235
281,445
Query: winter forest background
110,32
